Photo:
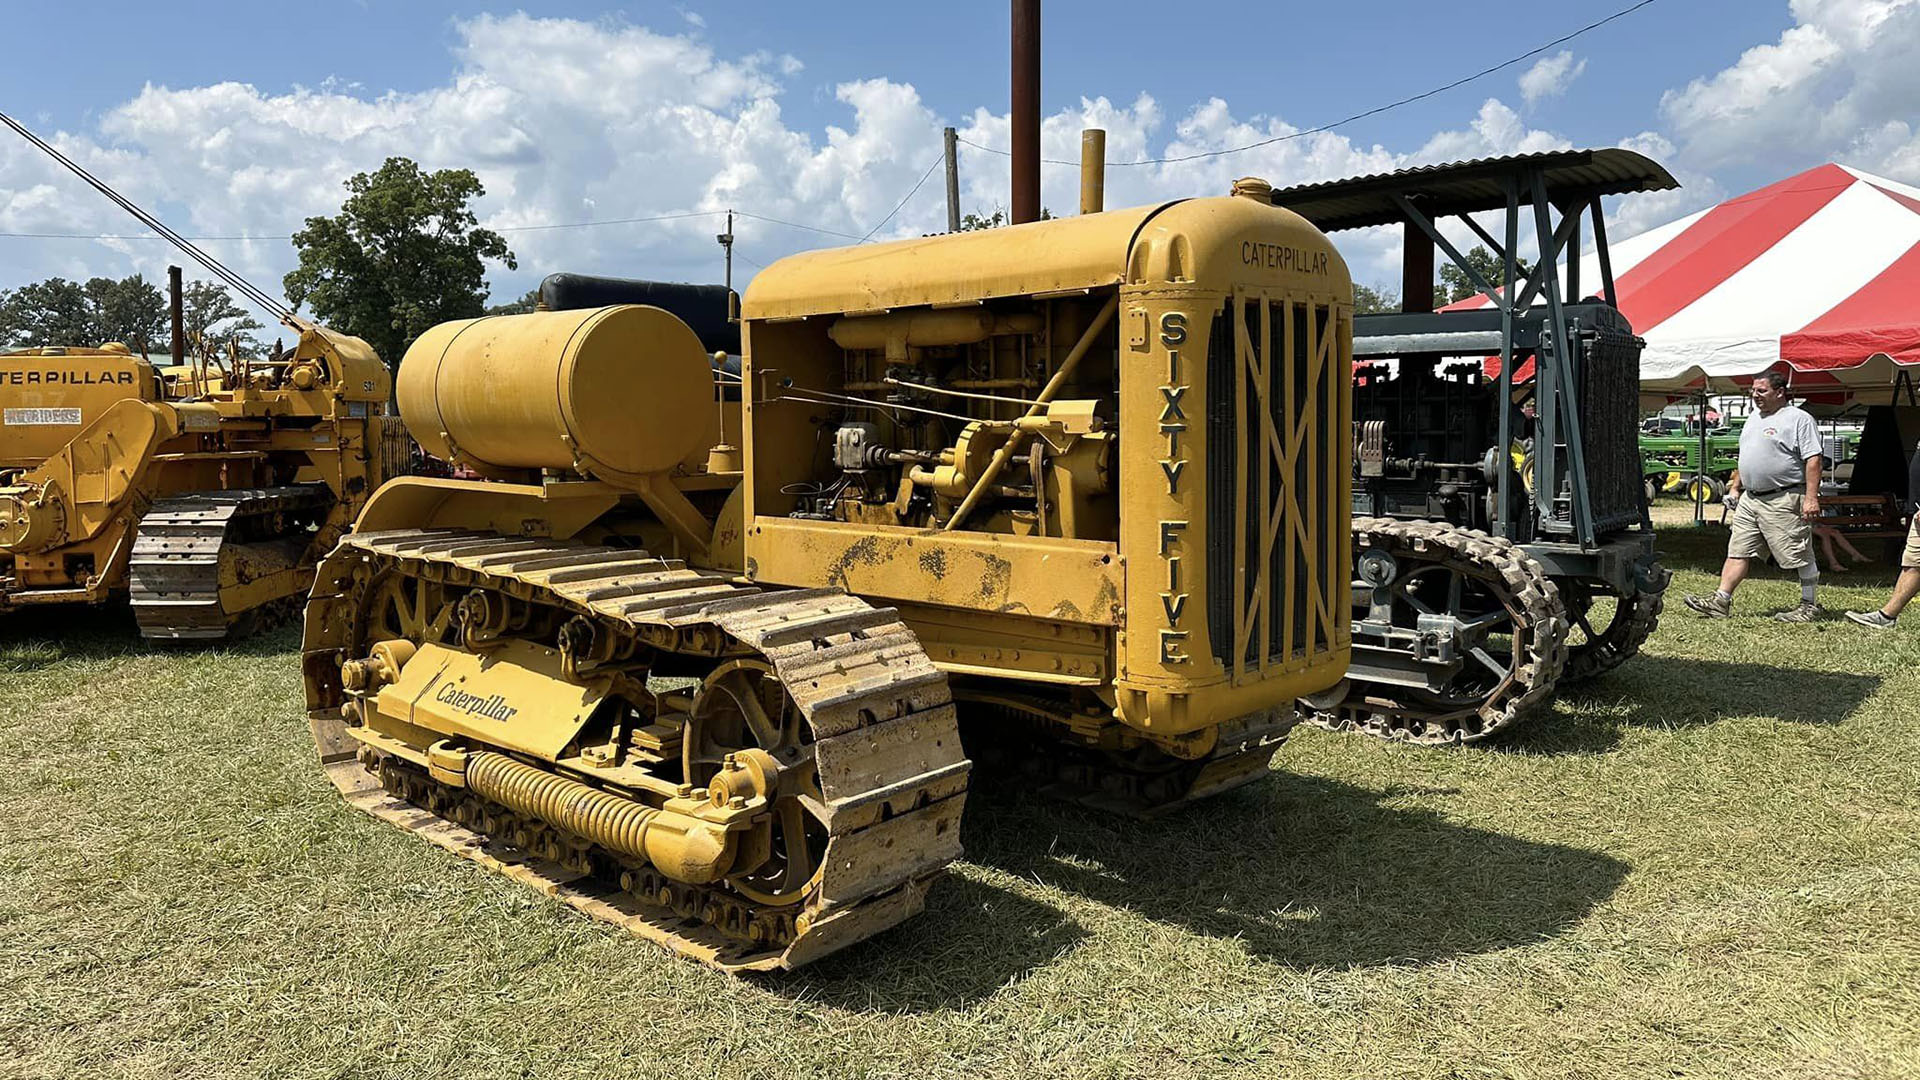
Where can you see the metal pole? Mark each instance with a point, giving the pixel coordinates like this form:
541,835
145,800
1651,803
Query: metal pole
1700,489
178,315
1026,111
1574,210
1606,259
726,244
1416,269
1563,389
1093,170
953,180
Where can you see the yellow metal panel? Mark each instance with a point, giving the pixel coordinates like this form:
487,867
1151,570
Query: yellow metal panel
552,510
1085,252
47,400
357,373
511,696
1076,581
1012,647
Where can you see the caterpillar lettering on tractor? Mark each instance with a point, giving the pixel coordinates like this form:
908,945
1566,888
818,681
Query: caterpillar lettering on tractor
688,659
206,496
1501,532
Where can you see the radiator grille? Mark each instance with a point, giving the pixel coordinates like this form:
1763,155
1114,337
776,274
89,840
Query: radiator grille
1278,484
1610,427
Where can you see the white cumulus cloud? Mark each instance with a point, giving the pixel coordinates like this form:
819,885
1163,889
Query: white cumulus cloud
1550,76
1840,83
568,121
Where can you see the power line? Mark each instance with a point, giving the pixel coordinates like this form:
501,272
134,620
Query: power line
246,288
503,229
127,236
903,201
610,221
1481,74
797,225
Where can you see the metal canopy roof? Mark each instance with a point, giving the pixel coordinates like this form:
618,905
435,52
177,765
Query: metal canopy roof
1469,187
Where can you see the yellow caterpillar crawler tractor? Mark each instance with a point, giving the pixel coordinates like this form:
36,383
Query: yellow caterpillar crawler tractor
206,497
688,658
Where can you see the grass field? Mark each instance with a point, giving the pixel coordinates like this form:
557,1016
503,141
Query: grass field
1706,864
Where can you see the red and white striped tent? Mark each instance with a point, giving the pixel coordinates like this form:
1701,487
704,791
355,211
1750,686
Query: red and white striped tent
1819,273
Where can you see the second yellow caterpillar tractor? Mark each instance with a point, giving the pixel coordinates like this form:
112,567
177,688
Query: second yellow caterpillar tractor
688,658
204,496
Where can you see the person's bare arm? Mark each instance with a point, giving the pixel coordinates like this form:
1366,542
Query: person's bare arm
1810,502
1733,482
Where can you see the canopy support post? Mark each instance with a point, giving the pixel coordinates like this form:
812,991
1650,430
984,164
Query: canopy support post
1700,490
1606,257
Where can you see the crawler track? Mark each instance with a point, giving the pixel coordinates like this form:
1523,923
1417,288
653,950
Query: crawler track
1528,632
185,547
1600,651
891,775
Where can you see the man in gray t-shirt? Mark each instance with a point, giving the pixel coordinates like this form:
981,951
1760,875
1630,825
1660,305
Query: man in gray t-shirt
1778,499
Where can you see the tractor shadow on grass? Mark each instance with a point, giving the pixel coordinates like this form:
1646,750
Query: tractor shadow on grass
31,639
1674,692
1302,871
973,939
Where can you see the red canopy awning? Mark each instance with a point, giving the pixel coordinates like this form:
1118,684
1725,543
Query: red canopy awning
1819,273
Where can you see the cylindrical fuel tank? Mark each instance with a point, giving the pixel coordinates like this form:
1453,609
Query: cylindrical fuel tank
624,389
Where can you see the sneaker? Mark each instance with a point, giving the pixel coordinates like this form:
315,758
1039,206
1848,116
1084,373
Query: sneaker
1876,619
1712,605
1802,612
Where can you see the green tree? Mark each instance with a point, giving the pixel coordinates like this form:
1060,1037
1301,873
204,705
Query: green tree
51,312
1456,286
404,253
521,306
129,310
1367,300
61,312
208,313
971,222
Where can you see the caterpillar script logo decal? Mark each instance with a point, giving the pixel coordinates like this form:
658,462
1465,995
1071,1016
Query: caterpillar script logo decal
493,708
40,417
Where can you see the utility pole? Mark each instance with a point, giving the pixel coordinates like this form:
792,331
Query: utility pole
953,180
726,243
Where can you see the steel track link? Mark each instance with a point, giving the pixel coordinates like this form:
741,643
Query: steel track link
173,575
1396,713
1638,618
887,749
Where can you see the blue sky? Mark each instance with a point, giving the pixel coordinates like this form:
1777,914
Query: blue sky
1309,62
233,118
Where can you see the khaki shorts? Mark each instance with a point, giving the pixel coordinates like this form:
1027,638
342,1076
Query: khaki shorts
1772,522
1910,558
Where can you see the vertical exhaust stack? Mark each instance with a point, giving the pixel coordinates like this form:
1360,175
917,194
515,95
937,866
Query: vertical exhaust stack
178,316
1416,270
1026,111
952,138
1093,170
